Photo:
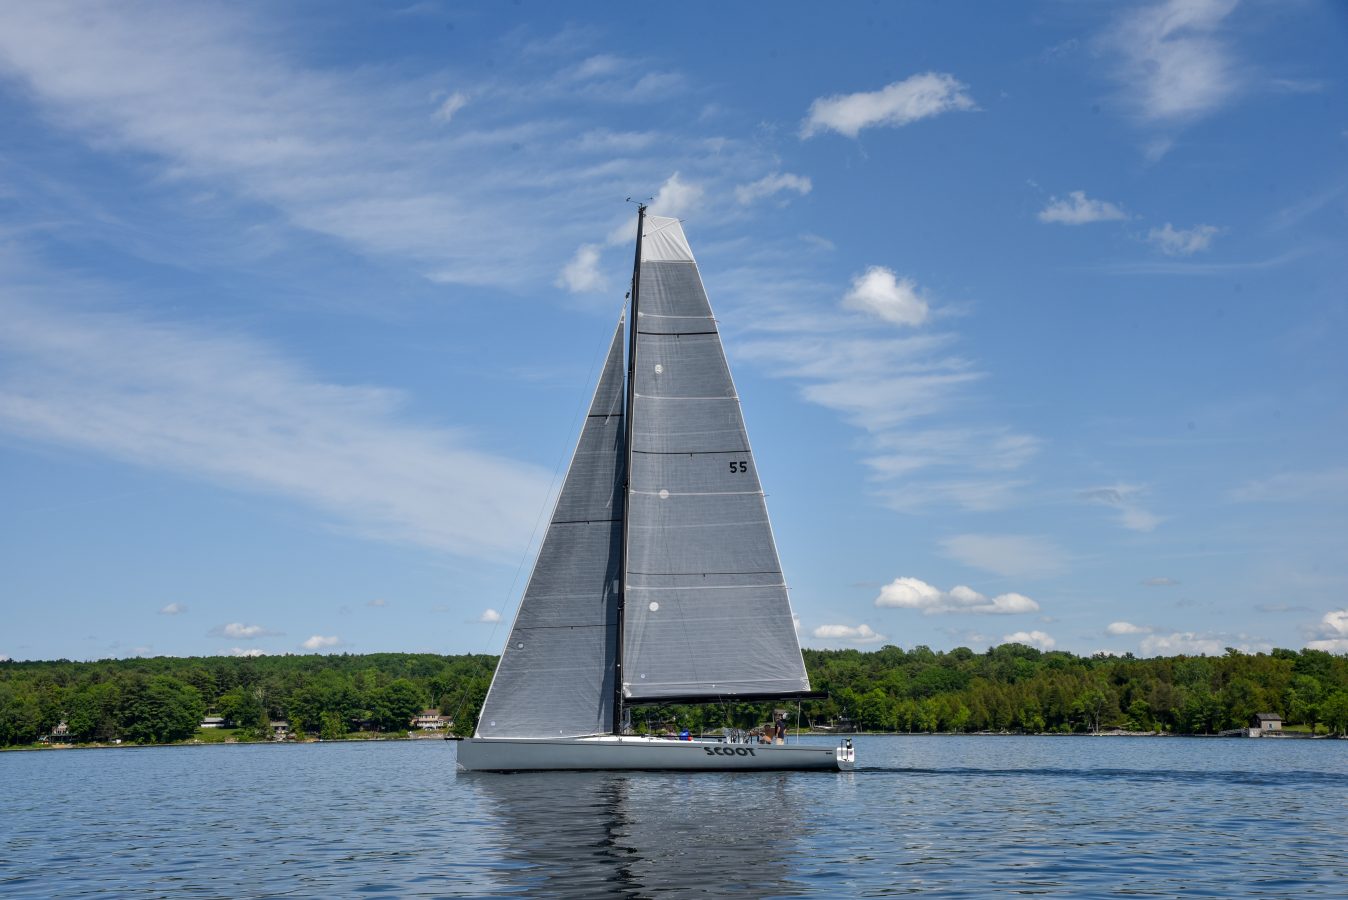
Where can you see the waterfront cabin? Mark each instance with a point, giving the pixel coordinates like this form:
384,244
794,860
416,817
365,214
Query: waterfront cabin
213,722
430,720
1265,723
280,731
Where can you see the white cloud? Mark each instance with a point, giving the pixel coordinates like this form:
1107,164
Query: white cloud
319,641
675,198
897,104
771,185
861,634
581,275
4,658
247,651
489,616
882,293
1182,241
240,631
1332,632
452,104
233,411
1160,581
378,602
1123,499
1035,638
172,609
1122,628
1011,555
1078,209
1174,67
1288,487
1192,643
1183,642
913,593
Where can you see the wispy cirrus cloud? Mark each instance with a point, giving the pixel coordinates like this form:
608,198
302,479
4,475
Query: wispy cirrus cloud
1173,63
465,179
1011,555
1125,500
1289,487
1078,209
913,593
895,105
771,186
234,411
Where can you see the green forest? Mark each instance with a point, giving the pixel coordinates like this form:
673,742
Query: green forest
1011,687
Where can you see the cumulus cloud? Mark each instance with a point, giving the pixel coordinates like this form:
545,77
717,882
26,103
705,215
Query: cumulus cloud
247,651
240,631
1011,555
1078,209
861,634
1173,64
581,275
1332,632
1182,241
897,104
881,292
675,198
489,616
319,641
771,185
1039,639
1191,643
913,593
1121,628
172,609
1124,499
452,104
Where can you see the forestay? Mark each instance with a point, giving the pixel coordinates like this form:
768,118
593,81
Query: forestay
706,612
555,677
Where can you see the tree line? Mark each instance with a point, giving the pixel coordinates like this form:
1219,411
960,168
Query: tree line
1011,687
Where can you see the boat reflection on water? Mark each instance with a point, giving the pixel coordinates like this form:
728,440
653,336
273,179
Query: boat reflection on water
643,834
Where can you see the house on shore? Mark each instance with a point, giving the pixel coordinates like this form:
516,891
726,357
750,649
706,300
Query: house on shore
280,730
1262,724
214,722
430,720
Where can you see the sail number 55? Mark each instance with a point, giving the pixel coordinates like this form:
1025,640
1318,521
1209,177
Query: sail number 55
739,465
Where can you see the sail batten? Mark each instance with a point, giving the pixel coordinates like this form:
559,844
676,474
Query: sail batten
706,607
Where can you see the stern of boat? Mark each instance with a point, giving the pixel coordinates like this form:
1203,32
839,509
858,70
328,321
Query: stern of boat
846,755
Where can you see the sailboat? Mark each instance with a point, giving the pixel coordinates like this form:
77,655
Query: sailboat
658,579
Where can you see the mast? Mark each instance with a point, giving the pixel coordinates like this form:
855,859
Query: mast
627,469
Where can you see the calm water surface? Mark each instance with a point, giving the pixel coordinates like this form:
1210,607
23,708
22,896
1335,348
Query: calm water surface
944,816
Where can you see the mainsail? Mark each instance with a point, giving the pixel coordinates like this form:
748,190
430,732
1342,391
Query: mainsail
555,678
706,613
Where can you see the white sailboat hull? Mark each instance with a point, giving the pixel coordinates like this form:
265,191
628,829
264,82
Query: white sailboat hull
612,753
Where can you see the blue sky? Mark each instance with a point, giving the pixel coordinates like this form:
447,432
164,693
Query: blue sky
1037,312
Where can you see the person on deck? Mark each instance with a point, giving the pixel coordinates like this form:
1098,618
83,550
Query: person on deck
780,730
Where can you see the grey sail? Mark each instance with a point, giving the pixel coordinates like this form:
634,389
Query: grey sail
555,677
706,612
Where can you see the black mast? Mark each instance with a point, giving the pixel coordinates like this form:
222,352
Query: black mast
627,469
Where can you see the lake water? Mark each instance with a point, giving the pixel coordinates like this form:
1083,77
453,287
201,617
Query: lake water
944,816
